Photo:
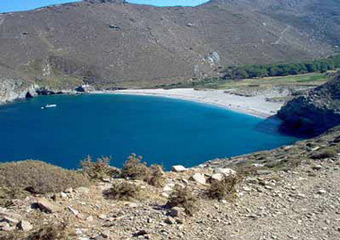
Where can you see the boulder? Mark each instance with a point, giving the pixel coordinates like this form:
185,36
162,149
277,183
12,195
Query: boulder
177,212
216,177
25,226
225,171
47,206
199,178
178,168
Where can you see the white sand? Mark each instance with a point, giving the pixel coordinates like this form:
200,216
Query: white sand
256,106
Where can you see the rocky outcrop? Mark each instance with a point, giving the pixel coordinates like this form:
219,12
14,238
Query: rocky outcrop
12,89
314,112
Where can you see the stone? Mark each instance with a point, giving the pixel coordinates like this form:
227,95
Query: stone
140,233
10,220
46,206
63,195
177,212
89,219
167,188
317,167
25,226
178,168
170,220
4,226
322,191
82,190
216,177
199,178
72,210
226,171
263,172
68,190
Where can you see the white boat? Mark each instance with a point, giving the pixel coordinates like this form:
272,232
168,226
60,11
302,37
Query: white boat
49,106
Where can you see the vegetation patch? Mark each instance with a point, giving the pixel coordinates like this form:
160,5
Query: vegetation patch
36,177
325,153
124,191
183,197
99,169
135,169
224,189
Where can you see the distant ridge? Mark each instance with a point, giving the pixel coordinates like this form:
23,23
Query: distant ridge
111,43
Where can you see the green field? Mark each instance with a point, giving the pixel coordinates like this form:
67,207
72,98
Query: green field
310,79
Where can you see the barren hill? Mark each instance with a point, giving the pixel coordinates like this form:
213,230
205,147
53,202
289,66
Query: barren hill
115,44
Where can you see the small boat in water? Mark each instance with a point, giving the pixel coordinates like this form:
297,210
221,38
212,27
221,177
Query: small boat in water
49,106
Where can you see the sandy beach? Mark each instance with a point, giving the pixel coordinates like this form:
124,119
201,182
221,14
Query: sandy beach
256,106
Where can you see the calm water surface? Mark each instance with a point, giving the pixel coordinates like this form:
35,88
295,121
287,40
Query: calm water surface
165,131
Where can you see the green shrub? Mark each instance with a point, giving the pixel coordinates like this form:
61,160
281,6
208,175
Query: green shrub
123,191
157,178
224,189
325,153
99,169
183,197
37,177
135,169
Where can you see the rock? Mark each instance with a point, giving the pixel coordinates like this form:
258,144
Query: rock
4,226
225,171
68,190
24,225
178,168
177,212
322,191
317,167
140,233
47,206
10,220
63,195
72,210
106,179
264,172
167,188
89,219
106,234
199,178
170,220
216,177
82,190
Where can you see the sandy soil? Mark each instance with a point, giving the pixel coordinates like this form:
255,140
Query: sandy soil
256,106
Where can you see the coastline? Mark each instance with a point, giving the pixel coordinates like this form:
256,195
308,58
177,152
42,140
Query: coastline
256,106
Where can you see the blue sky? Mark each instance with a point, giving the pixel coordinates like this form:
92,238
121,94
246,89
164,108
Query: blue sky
20,5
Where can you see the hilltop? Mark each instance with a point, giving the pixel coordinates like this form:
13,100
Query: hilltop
113,44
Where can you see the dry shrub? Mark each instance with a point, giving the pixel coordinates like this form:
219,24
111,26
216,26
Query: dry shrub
52,232
135,169
99,169
157,177
37,177
183,197
325,153
224,189
123,191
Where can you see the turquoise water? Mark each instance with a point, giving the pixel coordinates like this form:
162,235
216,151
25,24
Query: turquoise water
165,131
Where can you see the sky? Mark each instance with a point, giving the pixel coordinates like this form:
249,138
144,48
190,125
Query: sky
21,5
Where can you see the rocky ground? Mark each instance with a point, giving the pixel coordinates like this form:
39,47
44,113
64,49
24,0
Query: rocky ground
288,193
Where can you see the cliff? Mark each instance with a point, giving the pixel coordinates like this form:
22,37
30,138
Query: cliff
314,112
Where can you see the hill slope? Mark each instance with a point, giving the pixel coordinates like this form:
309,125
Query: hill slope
315,112
111,43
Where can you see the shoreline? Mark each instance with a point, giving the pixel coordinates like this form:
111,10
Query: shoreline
256,106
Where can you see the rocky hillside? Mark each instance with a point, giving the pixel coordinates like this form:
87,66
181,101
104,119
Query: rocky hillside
287,193
314,112
114,44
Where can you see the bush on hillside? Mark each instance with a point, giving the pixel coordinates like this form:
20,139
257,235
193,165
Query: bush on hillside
37,177
123,191
224,189
183,197
52,232
325,153
157,178
99,169
135,169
